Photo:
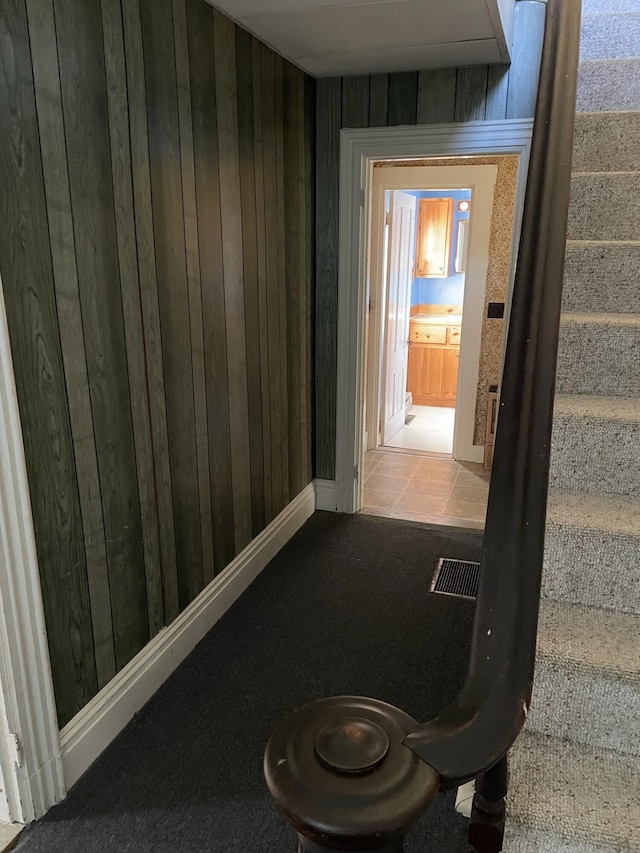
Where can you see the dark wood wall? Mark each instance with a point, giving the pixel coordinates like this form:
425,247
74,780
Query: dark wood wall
478,93
156,247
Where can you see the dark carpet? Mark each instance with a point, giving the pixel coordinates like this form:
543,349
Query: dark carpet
344,608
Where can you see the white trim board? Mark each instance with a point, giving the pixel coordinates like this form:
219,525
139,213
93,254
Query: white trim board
359,149
29,745
97,724
326,495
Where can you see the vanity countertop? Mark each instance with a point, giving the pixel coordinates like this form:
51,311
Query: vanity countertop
438,319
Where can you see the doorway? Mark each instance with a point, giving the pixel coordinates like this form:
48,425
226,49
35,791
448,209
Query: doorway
424,319
423,272
357,309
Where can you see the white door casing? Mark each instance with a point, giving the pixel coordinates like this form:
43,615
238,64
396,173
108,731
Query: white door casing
359,149
30,764
401,237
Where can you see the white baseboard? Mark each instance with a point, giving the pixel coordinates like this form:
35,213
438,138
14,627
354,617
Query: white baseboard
326,495
92,730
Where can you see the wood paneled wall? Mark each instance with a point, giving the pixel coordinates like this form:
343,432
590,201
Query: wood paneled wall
156,192
477,93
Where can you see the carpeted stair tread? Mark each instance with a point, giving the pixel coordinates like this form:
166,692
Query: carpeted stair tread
596,513
602,276
607,142
609,85
610,36
568,798
587,681
584,318
604,206
616,409
599,354
592,550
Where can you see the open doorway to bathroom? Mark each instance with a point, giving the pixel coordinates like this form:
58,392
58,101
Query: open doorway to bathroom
430,242
425,277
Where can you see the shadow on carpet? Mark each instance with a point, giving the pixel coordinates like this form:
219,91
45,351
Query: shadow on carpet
343,608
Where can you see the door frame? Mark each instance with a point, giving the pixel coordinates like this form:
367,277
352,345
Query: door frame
359,149
481,180
30,762
381,318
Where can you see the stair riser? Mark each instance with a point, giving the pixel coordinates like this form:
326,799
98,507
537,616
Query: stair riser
595,456
613,36
599,360
602,278
587,707
604,207
607,142
593,568
609,85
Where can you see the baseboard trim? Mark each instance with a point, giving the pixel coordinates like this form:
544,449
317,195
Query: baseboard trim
326,495
84,738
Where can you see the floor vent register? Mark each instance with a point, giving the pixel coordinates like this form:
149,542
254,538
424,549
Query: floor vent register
456,577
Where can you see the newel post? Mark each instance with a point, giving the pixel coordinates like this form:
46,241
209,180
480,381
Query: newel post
340,774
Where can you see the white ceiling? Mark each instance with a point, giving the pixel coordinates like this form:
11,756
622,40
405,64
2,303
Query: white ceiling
331,37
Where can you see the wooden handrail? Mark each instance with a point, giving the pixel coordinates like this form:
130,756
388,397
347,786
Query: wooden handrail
474,733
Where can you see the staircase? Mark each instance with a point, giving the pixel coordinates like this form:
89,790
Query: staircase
575,770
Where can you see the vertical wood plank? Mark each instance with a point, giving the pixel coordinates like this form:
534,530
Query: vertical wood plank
171,270
328,119
27,281
206,156
294,245
471,93
437,96
227,111
84,99
130,287
355,101
378,100
528,37
257,50
193,282
141,174
273,316
403,98
244,73
309,267
283,308
67,300
497,86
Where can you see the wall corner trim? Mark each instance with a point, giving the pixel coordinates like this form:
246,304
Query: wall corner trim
85,737
33,784
326,495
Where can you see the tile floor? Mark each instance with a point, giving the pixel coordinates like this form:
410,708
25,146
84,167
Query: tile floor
431,429
424,488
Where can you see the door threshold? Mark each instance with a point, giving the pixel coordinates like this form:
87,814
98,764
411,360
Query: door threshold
384,448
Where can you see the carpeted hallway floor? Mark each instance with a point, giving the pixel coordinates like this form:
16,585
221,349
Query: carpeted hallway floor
344,608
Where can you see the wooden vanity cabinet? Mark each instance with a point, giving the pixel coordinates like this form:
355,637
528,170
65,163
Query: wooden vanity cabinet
433,250
432,375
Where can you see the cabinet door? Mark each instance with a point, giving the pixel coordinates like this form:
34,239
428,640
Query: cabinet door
434,237
424,378
450,373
